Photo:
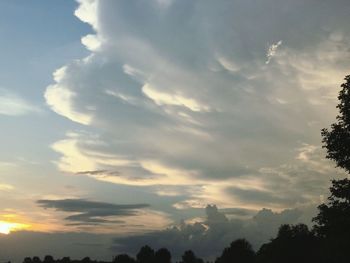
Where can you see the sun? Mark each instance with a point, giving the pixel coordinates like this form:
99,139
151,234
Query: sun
7,227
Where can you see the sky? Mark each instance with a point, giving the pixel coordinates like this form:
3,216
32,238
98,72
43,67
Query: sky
173,123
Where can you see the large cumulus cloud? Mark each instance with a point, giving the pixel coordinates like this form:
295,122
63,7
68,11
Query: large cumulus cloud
179,93
207,237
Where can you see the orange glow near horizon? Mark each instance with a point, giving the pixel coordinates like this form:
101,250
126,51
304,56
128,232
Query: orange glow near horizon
8,227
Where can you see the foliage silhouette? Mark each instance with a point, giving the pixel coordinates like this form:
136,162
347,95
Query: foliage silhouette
333,220
162,256
292,244
333,223
48,259
36,260
337,139
190,257
65,260
145,255
123,258
239,251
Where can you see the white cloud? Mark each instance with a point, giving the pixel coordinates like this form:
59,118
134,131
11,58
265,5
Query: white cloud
228,65
162,98
60,99
271,52
87,12
91,42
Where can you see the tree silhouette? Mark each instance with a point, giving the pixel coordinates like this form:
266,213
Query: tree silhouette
86,260
48,259
145,255
333,223
162,256
123,258
292,244
333,220
190,257
337,139
239,251
65,260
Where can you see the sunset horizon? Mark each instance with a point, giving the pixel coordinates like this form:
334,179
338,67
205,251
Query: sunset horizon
175,124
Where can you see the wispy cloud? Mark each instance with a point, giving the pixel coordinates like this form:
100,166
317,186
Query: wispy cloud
6,187
12,104
103,217
91,212
271,51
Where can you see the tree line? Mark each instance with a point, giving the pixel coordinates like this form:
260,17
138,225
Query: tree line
328,241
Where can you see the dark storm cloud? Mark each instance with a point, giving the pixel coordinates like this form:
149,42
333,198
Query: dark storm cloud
91,212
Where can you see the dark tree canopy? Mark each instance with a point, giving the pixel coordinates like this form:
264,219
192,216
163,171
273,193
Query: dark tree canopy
190,257
294,243
36,260
337,139
86,260
123,258
49,259
239,251
145,255
162,256
333,220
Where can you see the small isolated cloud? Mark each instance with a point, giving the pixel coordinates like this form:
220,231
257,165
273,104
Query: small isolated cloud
271,52
12,104
91,212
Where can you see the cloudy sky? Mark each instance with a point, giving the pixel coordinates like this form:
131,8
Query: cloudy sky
123,119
